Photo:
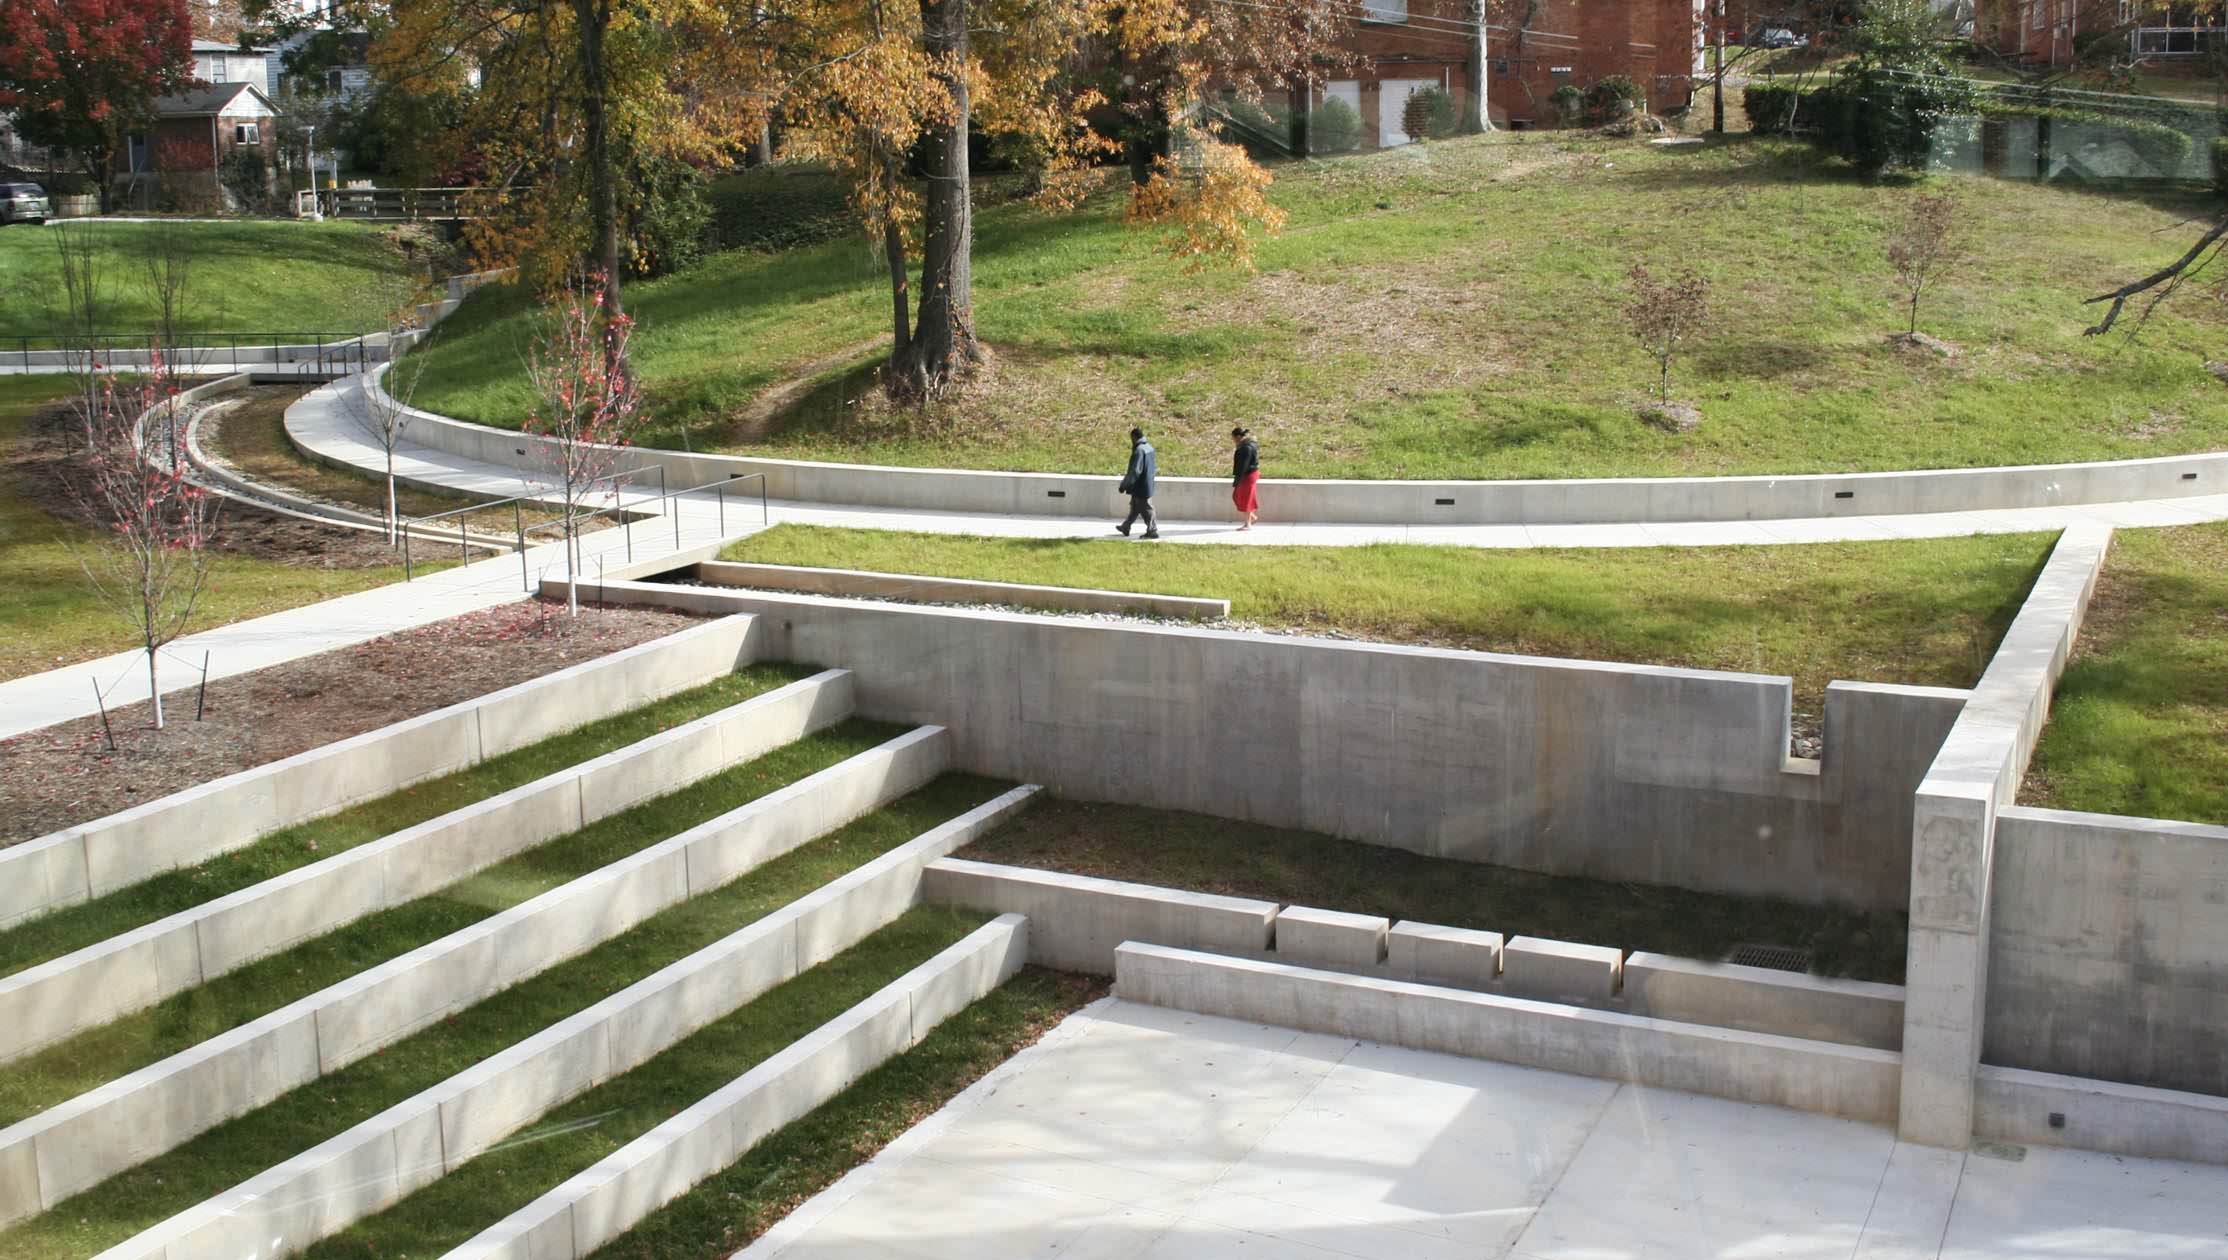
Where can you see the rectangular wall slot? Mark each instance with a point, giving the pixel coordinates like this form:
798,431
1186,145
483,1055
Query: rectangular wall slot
1443,502
1845,494
2189,476
1055,494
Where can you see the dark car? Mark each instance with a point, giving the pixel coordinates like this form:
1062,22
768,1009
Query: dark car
24,203
1781,37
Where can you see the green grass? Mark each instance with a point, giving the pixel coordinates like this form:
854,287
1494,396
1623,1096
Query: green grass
449,1212
238,1149
1920,612
247,277
51,616
728,1211
1451,310
101,1054
87,923
1193,851
2140,722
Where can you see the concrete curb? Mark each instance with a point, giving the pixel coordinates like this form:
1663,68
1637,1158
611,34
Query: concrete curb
376,1163
57,999
80,1143
908,587
101,856
605,1200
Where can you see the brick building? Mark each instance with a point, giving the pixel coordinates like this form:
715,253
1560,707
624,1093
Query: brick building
1411,44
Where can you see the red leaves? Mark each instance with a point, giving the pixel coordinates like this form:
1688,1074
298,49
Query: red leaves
73,68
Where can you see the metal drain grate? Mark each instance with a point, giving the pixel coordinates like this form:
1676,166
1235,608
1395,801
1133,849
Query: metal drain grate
1776,957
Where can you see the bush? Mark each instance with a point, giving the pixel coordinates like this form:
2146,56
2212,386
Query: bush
1430,114
1336,127
778,207
1265,131
1772,109
1614,98
1569,104
1882,119
670,223
247,178
2220,167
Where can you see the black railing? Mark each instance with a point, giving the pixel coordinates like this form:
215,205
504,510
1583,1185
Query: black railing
620,509
327,351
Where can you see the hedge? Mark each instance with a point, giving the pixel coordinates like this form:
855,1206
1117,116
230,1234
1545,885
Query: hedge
2163,147
1830,115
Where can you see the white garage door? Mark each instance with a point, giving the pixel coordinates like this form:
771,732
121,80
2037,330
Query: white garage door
1392,102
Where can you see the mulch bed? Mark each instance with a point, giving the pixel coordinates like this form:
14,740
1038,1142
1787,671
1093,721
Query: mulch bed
64,774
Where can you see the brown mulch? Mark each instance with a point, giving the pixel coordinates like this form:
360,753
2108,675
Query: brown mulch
64,774
39,464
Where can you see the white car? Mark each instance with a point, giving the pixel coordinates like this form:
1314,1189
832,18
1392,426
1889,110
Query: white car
23,203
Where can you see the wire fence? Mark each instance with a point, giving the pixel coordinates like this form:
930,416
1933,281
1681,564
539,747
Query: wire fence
336,353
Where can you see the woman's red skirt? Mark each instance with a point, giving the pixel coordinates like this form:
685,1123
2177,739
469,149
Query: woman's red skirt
1247,493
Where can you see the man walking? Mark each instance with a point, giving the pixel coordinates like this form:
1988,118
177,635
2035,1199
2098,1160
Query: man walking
1137,483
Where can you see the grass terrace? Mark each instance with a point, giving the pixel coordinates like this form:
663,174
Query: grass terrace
1448,310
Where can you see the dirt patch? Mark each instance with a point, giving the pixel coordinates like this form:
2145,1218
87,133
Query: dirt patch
1925,343
751,423
1671,417
40,464
64,774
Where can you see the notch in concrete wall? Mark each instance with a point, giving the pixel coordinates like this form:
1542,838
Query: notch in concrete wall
2057,1119
1845,494
1055,494
2189,476
518,450
1442,502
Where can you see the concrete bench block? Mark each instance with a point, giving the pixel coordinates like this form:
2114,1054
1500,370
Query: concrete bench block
390,1001
1560,971
1427,952
486,1101
1075,921
19,1182
1330,938
44,1004
517,716
843,912
721,850
1759,999
664,1008
2015,1105
645,1175
440,851
236,929
935,993
41,875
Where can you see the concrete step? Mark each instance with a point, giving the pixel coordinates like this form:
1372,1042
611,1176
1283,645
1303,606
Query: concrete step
65,996
76,1145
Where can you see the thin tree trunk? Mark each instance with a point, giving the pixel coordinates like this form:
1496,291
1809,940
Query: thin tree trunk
154,691
943,347
394,519
901,292
594,18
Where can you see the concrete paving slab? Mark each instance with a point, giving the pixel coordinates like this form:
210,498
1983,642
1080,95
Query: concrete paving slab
1132,1133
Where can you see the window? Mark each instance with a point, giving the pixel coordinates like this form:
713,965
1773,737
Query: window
1384,10
334,80
247,133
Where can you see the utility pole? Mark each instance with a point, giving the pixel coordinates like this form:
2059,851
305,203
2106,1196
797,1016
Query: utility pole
1481,108
1717,76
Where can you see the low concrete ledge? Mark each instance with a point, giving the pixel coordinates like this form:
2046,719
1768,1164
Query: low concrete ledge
1078,921
64,996
75,1146
99,857
937,590
1431,954
1560,971
1758,999
2013,1105
604,1201
1331,938
1837,1080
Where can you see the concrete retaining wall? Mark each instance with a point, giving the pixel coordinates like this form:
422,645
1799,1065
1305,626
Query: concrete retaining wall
99,857
858,583
2108,951
1080,921
44,1004
605,1200
1836,1080
2042,1109
1978,768
1758,999
1625,772
65,1149
1588,500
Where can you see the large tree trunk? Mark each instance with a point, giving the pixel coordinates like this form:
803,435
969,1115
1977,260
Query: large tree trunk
594,18
943,346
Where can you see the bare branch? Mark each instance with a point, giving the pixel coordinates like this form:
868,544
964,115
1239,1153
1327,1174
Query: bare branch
2165,280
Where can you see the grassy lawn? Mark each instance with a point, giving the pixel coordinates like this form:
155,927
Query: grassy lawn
51,617
1921,612
247,277
1202,854
102,1054
2140,722
1451,309
240,1148
90,922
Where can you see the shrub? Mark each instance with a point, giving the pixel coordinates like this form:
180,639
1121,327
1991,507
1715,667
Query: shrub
670,222
1336,127
2160,145
1429,114
1772,108
1614,98
2220,167
1882,119
778,207
1569,104
1264,130
248,178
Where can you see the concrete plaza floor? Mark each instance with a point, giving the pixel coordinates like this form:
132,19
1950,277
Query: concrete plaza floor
1135,1132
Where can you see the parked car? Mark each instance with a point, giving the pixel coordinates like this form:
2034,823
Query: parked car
1781,37
24,203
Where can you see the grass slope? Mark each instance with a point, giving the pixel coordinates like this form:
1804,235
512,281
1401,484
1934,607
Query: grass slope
238,1149
90,922
1196,852
2140,722
102,1054
247,277
1921,612
1452,309
51,617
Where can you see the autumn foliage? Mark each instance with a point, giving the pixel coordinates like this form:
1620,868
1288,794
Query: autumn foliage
586,405
80,74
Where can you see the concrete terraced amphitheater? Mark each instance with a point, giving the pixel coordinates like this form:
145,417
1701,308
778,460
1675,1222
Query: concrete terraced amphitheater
650,1001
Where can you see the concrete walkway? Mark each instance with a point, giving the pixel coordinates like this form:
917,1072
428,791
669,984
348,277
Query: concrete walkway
1135,1133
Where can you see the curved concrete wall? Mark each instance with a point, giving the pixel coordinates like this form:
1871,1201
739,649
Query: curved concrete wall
1577,501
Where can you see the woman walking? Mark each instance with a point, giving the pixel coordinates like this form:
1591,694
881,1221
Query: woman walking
1245,476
